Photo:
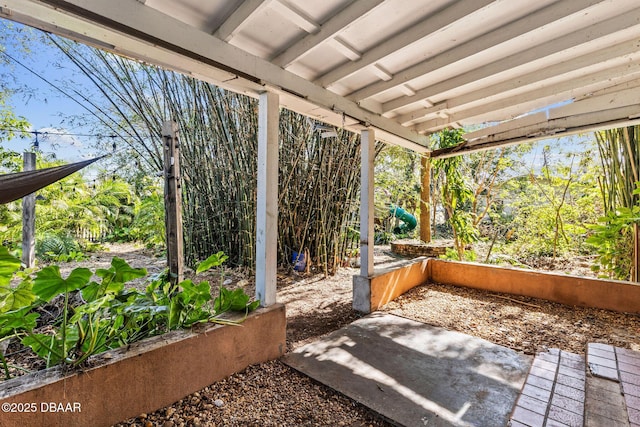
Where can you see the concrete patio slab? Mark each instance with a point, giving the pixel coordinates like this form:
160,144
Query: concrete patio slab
416,374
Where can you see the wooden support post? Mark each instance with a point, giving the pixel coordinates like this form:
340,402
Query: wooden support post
173,202
367,149
425,199
267,200
29,217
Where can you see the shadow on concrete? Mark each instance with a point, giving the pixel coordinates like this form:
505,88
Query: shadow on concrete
415,374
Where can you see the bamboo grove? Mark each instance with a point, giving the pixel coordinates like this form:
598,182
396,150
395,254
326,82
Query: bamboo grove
318,177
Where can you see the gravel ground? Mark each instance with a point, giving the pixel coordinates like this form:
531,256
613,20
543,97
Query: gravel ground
521,323
273,394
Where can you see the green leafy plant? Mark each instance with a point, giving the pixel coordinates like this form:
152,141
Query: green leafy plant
104,314
452,254
71,256
612,239
455,192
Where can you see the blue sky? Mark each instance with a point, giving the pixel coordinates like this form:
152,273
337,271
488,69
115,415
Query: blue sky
47,109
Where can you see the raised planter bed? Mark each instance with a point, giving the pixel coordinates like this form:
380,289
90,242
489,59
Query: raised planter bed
370,293
144,377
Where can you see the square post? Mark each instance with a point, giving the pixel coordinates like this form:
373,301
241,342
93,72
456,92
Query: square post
425,199
267,200
173,202
367,147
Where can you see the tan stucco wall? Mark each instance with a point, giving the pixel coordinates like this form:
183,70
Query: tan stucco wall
389,285
565,289
150,375
371,293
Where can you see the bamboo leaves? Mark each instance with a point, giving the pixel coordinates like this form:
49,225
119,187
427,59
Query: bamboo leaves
319,178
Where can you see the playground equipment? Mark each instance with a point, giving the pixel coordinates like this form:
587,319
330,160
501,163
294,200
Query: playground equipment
409,221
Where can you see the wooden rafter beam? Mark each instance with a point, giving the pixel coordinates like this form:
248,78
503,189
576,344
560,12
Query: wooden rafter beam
238,18
540,97
164,35
493,38
551,128
328,30
401,40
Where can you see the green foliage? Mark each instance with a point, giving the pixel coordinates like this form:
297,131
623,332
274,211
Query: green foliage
456,193
109,315
148,224
71,210
544,211
51,245
612,238
48,282
397,176
214,260
452,254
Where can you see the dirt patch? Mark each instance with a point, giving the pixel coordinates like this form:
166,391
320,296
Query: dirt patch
137,256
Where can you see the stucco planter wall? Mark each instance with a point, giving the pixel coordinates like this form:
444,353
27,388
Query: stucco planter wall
147,376
370,293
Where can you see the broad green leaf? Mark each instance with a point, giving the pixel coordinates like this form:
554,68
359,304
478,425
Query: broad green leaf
239,300
18,320
195,294
49,282
124,272
49,347
45,346
8,265
214,260
18,297
223,302
91,307
196,316
176,310
96,290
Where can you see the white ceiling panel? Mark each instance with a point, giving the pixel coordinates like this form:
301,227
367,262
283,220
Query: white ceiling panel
406,68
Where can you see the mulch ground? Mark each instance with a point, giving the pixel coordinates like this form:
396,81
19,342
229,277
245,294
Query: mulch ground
273,394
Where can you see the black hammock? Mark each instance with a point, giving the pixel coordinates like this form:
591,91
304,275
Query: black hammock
14,186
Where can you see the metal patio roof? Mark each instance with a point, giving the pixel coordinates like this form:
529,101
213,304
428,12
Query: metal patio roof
511,70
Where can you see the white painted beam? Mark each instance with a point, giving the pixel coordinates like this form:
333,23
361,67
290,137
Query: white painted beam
501,35
572,68
625,51
345,48
239,17
619,99
337,23
520,122
541,97
295,15
267,199
163,33
383,74
418,31
423,112
367,150
556,128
